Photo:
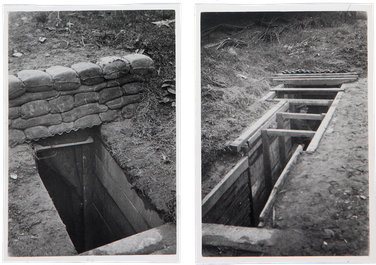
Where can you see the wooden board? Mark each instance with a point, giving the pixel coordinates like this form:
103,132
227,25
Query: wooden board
242,139
219,190
302,116
290,133
324,124
315,81
239,206
121,199
307,90
223,203
279,185
309,102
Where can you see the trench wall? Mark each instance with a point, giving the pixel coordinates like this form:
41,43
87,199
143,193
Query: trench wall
245,197
61,99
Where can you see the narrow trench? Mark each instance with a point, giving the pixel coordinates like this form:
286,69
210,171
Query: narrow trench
83,182
247,192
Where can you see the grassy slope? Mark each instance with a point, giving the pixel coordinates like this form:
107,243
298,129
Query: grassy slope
229,101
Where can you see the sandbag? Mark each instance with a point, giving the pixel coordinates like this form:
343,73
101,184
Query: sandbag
15,86
14,113
46,120
37,132
64,78
84,110
85,98
129,111
125,80
140,64
35,80
16,137
28,97
132,88
35,109
84,89
89,73
87,121
113,67
110,94
61,128
123,101
109,115
61,104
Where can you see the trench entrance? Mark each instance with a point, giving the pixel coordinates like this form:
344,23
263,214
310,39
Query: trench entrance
246,195
90,191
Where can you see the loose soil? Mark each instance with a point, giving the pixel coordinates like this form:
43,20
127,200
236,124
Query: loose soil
143,145
328,194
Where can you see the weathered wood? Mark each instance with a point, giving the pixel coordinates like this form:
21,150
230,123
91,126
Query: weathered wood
267,163
236,207
242,139
301,116
281,139
210,200
315,75
267,124
310,102
224,202
290,133
135,218
38,147
315,81
270,95
324,124
307,90
279,184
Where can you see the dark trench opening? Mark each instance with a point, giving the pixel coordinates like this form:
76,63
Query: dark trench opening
90,213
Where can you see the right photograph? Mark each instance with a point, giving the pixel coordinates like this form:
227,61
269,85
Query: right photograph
285,133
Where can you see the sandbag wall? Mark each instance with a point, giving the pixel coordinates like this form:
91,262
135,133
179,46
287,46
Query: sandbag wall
61,99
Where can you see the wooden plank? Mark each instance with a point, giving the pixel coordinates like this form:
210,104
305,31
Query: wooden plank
281,139
315,76
324,124
270,95
243,216
266,156
290,133
110,211
309,102
267,124
307,90
301,116
224,202
316,82
211,199
120,179
279,184
121,199
242,139
235,207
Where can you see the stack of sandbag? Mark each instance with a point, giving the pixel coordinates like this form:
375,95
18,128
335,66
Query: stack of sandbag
61,99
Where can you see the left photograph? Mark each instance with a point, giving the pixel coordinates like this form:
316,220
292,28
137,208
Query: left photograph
92,132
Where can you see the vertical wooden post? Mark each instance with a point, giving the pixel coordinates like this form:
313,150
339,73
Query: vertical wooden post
251,206
87,177
267,164
281,141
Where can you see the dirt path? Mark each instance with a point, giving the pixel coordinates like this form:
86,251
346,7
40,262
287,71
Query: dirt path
327,194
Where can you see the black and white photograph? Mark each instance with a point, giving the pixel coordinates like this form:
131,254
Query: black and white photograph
92,103
285,132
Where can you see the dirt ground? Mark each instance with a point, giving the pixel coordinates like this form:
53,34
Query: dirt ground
326,196
143,145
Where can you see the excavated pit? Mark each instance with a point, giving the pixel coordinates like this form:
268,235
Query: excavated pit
90,191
